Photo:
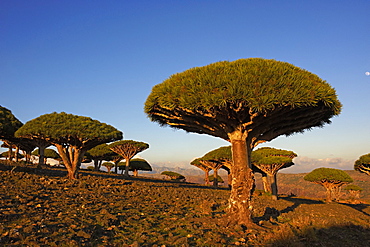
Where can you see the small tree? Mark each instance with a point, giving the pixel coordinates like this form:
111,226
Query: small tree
270,161
245,102
219,178
363,164
354,191
72,135
108,165
128,149
98,154
137,165
332,180
173,175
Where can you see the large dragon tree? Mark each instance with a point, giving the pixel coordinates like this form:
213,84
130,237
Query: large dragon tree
245,102
72,135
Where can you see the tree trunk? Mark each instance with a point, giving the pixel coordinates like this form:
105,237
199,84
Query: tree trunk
127,167
72,158
266,183
274,187
239,209
16,154
215,178
41,156
206,177
96,164
136,173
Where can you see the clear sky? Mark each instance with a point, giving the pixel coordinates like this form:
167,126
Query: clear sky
101,59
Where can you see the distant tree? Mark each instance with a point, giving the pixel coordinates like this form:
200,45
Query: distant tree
245,102
48,153
270,161
363,164
332,180
137,165
219,178
173,175
13,154
26,146
98,154
72,135
217,159
203,167
128,149
108,165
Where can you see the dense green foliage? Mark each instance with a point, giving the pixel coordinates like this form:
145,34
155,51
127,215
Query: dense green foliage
140,146
219,154
233,91
99,152
69,128
261,83
328,174
9,124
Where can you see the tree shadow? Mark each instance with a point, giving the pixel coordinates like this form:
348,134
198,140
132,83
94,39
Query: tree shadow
332,236
358,207
297,202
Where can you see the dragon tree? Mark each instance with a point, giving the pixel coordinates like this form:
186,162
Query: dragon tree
98,154
9,124
128,149
137,165
363,164
245,102
217,159
270,161
331,179
72,135
197,163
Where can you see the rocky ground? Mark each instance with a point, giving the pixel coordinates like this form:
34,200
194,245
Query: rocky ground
43,208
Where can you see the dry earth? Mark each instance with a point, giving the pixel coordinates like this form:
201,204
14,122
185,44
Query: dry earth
43,208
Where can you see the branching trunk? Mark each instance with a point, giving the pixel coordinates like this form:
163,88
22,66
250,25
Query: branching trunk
127,168
72,158
215,178
266,183
206,179
239,209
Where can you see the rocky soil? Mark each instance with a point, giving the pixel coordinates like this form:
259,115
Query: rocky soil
43,208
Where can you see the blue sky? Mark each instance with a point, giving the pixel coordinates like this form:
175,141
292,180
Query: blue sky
101,59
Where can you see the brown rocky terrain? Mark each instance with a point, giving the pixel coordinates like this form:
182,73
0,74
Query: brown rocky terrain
43,208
